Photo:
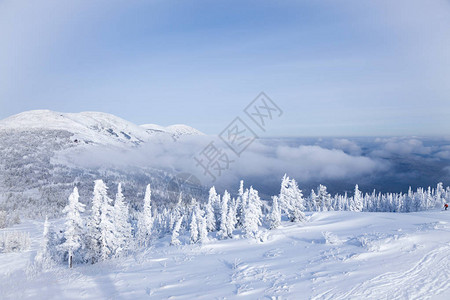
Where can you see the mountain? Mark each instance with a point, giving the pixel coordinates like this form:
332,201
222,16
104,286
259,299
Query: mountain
34,173
93,127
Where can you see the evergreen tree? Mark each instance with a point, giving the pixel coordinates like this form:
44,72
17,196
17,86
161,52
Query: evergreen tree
123,227
231,218
357,200
223,232
176,232
202,228
74,227
291,199
214,198
193,228
109,244
324,198
314,201
210,216
252,213
275,214
93,225
239,204
145,221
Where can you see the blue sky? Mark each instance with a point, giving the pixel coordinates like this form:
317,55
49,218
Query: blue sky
336,68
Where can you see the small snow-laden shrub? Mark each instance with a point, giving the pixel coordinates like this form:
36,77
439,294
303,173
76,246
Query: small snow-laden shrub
369,242
331,238
14,241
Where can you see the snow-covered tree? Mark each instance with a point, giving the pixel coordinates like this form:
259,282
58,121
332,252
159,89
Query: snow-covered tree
193,228
324,198
214,199
252,213
239,204
291,199
109,244
357,200
74,231
102,239
231,218
313,201
223,232
93,226
145,221
176,232
123,227
210,216
275,214
202,228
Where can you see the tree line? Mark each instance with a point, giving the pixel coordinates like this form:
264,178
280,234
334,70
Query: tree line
112,229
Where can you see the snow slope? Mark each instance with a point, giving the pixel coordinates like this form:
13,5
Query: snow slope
335,255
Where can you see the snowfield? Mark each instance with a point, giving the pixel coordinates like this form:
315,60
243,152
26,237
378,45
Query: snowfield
334,255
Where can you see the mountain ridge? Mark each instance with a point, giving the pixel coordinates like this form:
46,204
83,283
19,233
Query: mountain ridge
94,127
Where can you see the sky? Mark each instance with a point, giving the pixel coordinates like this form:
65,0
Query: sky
335,68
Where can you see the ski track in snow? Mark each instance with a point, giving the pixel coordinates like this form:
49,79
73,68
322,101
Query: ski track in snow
428,278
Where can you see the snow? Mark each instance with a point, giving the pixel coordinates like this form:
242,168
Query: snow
92,127
176,131
333,255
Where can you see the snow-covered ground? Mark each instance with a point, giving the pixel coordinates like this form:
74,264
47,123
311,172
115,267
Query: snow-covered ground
335,255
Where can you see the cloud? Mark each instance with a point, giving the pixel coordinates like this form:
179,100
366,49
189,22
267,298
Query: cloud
347,146
401,146
383,164
305,163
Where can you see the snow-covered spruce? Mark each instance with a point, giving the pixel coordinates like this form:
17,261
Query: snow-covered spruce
74,233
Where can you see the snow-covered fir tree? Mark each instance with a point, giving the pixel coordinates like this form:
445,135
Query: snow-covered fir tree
275,214
252,213
291,199
214,199
209,215
145,221
239,204
323,198
357,204
202,228
193,227
74,231
176,232
223,227
231,218
109,244
123,227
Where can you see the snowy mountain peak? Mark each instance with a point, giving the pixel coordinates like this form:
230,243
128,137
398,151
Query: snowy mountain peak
176,130
92,127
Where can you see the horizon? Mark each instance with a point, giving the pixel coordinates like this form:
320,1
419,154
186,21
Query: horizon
265,136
